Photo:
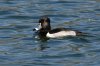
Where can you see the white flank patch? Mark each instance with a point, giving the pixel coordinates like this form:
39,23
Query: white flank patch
61,34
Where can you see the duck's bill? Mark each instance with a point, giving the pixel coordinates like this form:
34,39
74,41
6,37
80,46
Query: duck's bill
38,28
35,29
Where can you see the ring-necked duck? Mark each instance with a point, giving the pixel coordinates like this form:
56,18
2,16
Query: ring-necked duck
44,30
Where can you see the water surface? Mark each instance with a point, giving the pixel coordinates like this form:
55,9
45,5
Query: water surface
19,47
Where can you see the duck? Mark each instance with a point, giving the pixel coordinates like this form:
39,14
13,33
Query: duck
44,30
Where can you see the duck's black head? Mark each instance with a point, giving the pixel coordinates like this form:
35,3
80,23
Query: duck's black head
44,23
44,26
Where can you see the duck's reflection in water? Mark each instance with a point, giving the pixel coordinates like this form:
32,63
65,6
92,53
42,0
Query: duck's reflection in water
42,43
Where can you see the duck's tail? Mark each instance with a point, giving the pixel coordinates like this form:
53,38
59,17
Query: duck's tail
78,33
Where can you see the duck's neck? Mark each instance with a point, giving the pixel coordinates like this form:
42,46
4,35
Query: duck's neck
44,31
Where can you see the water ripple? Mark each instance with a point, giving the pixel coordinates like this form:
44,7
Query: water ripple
18,47
61,56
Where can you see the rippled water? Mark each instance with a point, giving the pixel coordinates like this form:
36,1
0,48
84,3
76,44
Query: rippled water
18,47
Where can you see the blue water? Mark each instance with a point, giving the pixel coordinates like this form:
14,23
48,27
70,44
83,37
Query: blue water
19,47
